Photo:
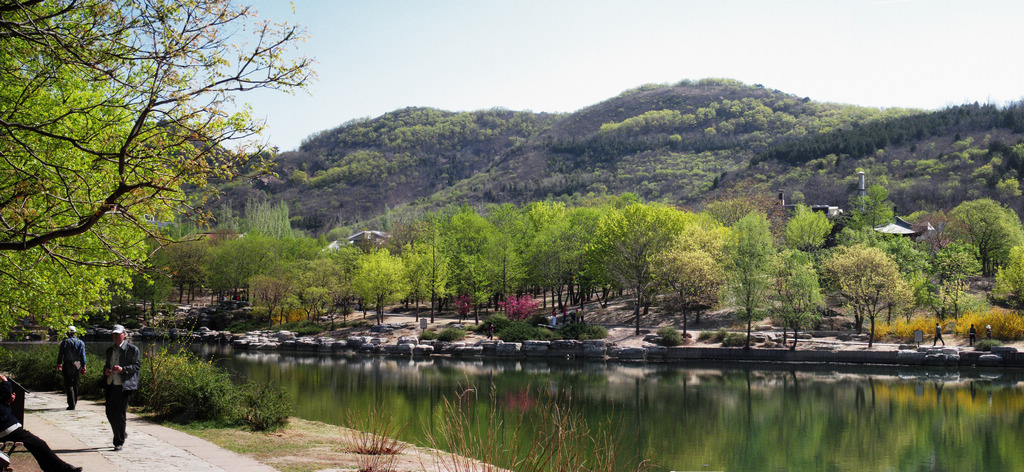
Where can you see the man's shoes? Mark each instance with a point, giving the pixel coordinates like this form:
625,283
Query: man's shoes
4,461
117,448
70,408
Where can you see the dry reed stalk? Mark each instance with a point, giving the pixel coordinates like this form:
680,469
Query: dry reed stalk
374,440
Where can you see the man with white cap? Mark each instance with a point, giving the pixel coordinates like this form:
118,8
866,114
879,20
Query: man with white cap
71,364
122,372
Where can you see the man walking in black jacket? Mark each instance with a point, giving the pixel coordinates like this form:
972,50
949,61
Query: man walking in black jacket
122,371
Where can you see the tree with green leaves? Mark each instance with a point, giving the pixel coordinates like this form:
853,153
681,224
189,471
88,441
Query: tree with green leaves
694,277
187,262
380,278
1010,278
110,107
807,230
270,291
991,227
749,249
867,280
312,285
796,294
427,272
871,210
465,243
340,288
630,241
505,247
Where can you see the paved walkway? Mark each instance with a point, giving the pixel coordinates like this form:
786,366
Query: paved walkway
83,438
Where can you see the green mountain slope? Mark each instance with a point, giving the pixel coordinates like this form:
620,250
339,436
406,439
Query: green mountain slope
674,143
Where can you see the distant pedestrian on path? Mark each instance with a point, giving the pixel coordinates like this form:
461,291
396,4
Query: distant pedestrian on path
122,372
938,335
988,331
11,430
973,333
71,364
490,331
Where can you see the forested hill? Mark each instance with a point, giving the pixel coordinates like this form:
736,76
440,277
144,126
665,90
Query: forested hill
677,143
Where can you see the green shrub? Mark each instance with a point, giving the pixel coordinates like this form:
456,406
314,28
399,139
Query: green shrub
519,331
262,406
180,387
451,335
35,368
713,336
499,320
987,344
428,335
582,331
734,340
669,336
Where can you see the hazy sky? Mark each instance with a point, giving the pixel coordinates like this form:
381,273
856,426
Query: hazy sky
375,56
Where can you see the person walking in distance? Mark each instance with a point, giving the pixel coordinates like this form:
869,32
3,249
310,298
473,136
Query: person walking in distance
122,372
71,364
938,335
972,334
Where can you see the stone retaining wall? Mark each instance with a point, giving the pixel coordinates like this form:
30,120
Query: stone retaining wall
598,350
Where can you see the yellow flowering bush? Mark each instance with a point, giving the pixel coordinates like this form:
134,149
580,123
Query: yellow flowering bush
903,330
1006,325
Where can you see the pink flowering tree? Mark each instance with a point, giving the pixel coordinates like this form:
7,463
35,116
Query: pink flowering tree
463,305
518,308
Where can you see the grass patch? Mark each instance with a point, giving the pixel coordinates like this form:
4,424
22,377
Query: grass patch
301,446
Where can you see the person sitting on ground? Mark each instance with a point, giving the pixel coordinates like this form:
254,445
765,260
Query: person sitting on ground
11,430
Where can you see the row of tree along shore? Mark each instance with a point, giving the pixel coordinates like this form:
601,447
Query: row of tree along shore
746,253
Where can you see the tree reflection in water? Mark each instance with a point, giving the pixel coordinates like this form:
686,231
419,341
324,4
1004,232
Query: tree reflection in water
697,416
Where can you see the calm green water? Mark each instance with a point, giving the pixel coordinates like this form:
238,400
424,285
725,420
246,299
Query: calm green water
729,418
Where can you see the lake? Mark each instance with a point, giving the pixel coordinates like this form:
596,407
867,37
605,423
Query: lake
688,417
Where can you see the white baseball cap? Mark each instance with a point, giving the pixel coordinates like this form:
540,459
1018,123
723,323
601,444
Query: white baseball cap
71,329
118,329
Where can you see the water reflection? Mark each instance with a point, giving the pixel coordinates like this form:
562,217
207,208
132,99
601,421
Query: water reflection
694,416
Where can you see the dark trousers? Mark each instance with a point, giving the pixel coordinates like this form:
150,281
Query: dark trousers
71,379
117,411
48,461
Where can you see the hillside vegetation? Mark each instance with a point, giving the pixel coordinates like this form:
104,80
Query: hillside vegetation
677,144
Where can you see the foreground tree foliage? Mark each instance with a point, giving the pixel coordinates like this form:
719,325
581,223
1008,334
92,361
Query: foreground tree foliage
107,109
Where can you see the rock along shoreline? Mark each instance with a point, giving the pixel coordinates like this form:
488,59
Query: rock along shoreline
598,350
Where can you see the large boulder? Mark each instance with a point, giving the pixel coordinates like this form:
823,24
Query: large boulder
507,349
400,349
535,348
629,353
990,360
908,357
1003,351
